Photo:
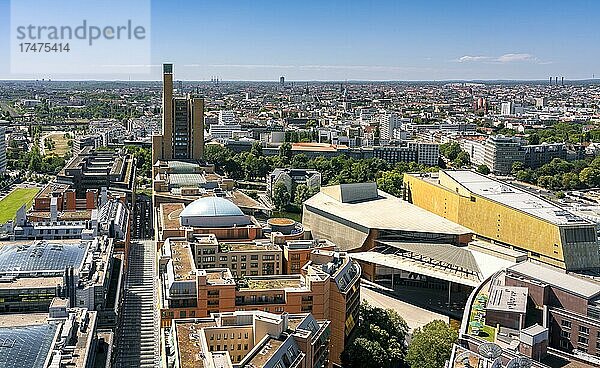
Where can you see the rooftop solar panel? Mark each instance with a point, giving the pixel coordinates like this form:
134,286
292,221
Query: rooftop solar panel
26,346
41,256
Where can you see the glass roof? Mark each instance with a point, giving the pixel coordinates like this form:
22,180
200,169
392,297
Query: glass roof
26,346
41,256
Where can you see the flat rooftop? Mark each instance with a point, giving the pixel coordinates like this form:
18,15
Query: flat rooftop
243,247
385,212
553,276
508,299
189,342
274,282
183,263
218,276
170,215
514,197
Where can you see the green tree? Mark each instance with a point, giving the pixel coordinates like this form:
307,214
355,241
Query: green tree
285,151
462,159
391,182
483,169
380,339
517,166
256,149
303,192
450,150
590,176
534,139
281,196
430,347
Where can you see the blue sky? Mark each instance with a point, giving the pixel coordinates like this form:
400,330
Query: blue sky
364,40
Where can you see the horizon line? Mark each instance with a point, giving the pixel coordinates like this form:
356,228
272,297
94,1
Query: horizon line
298,80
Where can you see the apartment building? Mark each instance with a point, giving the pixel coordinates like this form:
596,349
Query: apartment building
327,287
249,339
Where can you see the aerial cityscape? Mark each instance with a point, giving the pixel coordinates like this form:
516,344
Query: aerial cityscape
299,185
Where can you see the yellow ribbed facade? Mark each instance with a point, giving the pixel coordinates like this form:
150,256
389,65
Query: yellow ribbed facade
498,222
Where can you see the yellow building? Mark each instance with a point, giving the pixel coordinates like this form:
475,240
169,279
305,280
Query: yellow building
507,215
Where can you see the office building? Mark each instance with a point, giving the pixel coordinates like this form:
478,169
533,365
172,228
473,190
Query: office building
538,315
64,337
226,117
182,135
501,152
223,132
249,339
387,124
327,287
78,270
504,214
93,169
420,152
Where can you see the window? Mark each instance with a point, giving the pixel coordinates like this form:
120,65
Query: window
233,258
223,258
243,266
565,334
584,330
268,258
243,258
582,340
565,323
253,265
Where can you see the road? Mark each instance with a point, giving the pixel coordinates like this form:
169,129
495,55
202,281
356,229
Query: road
415,317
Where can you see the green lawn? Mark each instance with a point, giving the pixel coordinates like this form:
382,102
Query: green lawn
14,200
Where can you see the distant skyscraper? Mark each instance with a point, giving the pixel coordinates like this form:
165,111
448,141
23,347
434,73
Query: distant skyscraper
182,135
282,81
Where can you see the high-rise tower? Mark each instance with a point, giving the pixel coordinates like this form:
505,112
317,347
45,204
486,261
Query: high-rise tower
182,135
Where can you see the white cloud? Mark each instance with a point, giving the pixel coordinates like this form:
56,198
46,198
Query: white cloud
502,59
469,58
509,58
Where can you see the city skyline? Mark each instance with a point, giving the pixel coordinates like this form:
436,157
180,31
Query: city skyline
353,40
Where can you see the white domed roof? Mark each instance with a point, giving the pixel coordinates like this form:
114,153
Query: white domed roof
211,207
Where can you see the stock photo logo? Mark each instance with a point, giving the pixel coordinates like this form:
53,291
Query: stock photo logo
79,37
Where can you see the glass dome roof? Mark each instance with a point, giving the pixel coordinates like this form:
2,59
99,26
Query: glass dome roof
211,207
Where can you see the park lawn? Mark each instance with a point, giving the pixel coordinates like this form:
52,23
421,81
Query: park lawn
61,144
10,204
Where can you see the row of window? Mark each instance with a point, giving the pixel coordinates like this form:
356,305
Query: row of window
253,257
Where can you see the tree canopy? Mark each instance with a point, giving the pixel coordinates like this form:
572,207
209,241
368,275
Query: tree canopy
430,346
380,339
